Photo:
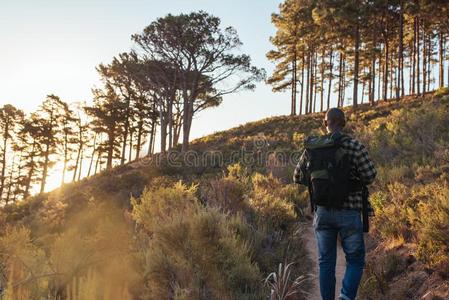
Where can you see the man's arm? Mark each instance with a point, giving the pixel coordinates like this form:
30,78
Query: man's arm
300,173
365,167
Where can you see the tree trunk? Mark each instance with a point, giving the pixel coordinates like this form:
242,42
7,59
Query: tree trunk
163,133
45,165
418,79
372,80
392,81
152,137
414,56
315,62
170,121
139,138
410,71
93,155
125,131
400,78
111,139
429,63
363,91
329,91
5,143
343,80
97,162
370,84
322,67
340,75
356,66
76,166
8,192
424,64
294,81
302,84
177,131
131,135
64,168
379,81
187,123
81,166
308,84
386,70
30,171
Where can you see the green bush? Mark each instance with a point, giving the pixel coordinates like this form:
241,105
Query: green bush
406,135
432,226
227,194
160,204
443,91
200,257
270,203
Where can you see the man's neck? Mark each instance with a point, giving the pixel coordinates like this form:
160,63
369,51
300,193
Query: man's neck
334,131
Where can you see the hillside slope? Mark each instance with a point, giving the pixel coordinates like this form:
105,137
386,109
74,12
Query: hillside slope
234,218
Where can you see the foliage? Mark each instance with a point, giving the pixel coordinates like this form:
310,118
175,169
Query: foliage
431,223
22,263
329,47
94,242
199,257
443,91
159,204
270,201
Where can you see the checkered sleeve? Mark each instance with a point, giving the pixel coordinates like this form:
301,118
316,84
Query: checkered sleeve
364,165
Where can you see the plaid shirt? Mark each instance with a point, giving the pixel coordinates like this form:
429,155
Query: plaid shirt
362,168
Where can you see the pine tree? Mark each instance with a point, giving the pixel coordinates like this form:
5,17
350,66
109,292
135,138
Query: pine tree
108,113
10,118
48,120
204,58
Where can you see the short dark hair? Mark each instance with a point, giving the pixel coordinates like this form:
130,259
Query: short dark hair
337,116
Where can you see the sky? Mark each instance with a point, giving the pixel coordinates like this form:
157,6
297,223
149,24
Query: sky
52,47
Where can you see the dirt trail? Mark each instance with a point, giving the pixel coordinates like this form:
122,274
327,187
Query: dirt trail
313,252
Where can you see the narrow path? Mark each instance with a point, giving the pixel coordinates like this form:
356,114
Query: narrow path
313,252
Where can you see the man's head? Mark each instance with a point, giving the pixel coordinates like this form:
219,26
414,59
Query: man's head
334,120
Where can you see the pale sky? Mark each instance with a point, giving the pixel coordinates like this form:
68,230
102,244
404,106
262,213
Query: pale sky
53,47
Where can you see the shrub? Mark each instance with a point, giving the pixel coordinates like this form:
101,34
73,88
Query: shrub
226,194
432,226
407,135
390,209
377,275
200,258
441,91
21,260
417,214
271,206
159,205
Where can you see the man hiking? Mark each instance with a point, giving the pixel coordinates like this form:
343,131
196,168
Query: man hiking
336,169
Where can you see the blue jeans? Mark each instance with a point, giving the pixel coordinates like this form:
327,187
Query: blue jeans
328,223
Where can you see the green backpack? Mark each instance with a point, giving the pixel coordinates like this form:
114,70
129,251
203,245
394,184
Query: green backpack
327,170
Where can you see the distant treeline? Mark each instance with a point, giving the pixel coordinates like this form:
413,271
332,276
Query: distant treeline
180,65
384,49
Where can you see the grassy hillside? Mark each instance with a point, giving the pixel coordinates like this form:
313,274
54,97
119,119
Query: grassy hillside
214,225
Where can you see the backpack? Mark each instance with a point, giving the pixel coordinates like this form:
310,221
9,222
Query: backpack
327,170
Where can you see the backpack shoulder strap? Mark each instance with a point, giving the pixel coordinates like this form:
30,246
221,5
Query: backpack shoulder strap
317,142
